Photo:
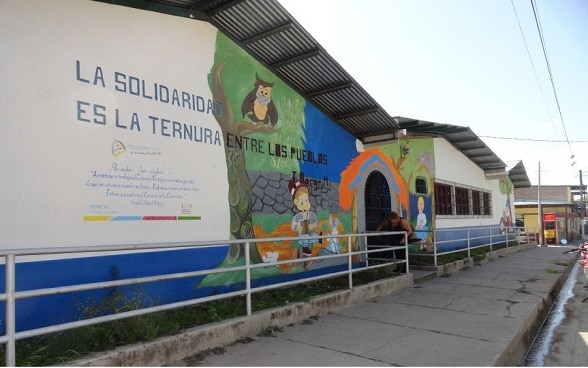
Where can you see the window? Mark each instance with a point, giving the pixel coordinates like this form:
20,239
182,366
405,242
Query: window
453,199
443,199
462,201
476,203
486,203
421,185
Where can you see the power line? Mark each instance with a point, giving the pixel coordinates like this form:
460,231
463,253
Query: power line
533,66
550,74
533,140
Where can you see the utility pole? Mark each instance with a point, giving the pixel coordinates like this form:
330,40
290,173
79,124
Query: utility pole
582,195
539,212
582,219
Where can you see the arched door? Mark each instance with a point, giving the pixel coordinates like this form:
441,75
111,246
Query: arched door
377,201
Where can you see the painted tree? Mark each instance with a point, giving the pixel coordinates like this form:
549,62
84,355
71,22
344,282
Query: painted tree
239,184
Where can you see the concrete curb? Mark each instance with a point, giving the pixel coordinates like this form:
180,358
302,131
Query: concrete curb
165,350
516,351
172,349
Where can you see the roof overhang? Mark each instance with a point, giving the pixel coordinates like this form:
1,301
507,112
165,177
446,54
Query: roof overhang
272,36
462,138
518,176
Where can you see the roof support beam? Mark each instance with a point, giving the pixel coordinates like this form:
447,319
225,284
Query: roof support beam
469,147
351,114
329,89
484,160
221,8
306,55
453,130
464,139
406,123
438,129
476,155
268,33
159,8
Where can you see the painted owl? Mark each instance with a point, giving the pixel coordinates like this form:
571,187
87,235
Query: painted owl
258,104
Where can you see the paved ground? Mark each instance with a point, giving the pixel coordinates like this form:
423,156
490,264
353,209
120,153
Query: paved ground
485,315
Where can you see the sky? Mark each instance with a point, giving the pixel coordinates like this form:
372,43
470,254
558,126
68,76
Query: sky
469,63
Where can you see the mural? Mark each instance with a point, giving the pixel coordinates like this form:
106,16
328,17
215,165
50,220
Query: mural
283,175
413,160
506,188
422,173
410,175
360,167
286,180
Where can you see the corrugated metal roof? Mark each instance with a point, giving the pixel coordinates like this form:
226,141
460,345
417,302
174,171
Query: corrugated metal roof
466,141
267,31
271,35
462,138
518,176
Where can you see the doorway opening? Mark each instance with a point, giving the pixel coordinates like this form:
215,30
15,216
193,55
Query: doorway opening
377,202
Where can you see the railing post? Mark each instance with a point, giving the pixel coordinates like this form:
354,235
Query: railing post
469,244
490,234
350,261
248,278
406,252
435,247
365,254
10,311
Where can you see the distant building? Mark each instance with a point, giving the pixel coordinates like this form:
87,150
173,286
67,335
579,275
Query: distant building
557,199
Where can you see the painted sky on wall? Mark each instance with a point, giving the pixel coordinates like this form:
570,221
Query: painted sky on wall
317,127
465,62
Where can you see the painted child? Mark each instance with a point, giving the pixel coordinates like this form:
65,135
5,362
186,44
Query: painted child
421,222
305,221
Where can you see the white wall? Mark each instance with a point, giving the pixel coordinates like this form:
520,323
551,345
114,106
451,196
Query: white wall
74,133
453,166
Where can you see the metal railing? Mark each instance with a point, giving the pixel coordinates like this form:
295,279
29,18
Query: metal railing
363,257
366,255
474,238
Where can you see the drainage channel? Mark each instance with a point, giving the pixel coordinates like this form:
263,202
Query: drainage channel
542,344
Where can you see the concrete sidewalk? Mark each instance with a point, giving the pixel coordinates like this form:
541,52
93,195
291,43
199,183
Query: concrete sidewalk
485,315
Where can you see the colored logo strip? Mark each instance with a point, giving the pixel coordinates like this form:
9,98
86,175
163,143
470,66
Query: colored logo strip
97,218
126,218
189,218
140,218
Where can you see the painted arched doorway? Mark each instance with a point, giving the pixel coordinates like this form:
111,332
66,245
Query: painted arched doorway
377,201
